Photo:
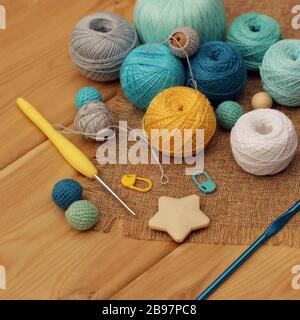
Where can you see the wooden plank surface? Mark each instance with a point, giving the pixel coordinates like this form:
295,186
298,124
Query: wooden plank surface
44,258
36,65
190,269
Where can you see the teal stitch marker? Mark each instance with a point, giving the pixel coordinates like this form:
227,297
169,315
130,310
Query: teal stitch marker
207,186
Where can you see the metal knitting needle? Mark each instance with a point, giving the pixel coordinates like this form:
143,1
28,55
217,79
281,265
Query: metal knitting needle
76,158
114,194
274,228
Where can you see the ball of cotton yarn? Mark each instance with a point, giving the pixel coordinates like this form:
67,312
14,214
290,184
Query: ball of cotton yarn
100,43
179,108
184,41
219,71
253,34
280,72
156,19
264,142
147,71
92,118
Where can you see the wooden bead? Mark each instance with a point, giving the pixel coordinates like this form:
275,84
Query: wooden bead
180,41
184,41
262,100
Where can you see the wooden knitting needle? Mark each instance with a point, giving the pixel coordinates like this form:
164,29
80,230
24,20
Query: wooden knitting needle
76,158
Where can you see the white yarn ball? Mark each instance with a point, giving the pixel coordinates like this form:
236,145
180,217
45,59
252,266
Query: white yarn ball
264,142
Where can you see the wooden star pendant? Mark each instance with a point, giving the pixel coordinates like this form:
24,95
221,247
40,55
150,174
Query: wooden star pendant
179,217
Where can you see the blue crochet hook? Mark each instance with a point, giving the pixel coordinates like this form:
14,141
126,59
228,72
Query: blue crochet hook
274,228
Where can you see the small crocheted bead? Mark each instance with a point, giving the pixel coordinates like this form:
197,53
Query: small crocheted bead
87,95
184,40
65,192
82,215
228,114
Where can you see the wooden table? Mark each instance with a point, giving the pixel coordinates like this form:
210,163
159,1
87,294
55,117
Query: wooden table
43,257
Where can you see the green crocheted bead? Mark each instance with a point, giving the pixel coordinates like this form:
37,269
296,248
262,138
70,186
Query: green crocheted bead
82,215
228,113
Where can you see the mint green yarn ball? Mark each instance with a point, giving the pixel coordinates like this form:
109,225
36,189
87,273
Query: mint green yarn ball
253,34
280,72
82,215
228,113
156,19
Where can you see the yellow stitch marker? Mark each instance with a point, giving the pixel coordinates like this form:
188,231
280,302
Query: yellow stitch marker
129,181
76,158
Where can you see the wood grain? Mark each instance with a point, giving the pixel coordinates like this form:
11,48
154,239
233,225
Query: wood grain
189,269
43,256
36,65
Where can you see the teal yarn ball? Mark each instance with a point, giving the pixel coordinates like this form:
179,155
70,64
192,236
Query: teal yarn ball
280,72
82,215
253,34
156,19
219,70
87,95
65,192
228,113
147,71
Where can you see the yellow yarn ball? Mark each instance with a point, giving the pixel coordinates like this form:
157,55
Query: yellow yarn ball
179,108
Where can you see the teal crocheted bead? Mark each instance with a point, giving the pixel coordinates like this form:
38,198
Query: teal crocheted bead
228,113
82,215
87,95
65,192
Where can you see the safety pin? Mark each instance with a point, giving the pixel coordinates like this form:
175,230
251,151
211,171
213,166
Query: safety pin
207,186
129,181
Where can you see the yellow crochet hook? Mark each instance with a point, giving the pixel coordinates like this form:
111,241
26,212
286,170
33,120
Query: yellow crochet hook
76,158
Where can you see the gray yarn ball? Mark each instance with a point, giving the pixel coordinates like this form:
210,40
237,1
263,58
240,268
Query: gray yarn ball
100,43
184,41
92,118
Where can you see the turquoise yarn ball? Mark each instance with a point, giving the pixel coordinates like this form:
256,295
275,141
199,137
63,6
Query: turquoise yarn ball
147,71
220,71
253,34
280,72
156,19
228,113
82,215
65,192
87,95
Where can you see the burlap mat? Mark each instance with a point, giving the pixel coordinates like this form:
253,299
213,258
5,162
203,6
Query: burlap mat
242,207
